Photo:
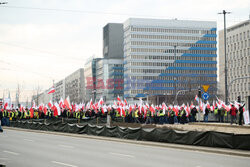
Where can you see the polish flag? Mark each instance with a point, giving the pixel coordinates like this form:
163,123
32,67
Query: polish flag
187,108
101,101
5,105
57,107
50,104
33,104
196,98
40,107
118,98
125,101
45,109
61,103
67,103
52,90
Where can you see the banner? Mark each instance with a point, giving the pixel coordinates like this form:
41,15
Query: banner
246,117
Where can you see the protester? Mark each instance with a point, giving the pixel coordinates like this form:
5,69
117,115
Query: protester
206,114
241,113
233,112
193,114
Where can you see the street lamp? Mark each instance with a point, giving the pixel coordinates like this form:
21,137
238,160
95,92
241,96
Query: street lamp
225,50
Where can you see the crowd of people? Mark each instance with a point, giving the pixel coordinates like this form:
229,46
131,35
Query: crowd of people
134,115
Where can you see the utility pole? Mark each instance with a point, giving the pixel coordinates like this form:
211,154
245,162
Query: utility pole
175,75
225,50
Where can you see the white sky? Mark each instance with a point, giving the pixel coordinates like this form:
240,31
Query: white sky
37,46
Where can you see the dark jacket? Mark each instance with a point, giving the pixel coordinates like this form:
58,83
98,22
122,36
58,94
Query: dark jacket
206,111
194,111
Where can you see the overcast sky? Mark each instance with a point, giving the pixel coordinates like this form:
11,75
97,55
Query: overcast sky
38,46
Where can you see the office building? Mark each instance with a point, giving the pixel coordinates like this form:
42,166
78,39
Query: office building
59,91
75,86
162,57
113,41
238,62
109,79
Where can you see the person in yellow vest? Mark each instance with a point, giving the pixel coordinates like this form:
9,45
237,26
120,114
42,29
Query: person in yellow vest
12,115
27,114
84,115
148,119
137,116
161,115
223,114
216,114
117,115
68,113
48,114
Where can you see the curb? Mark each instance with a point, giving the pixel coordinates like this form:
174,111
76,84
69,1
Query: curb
231,152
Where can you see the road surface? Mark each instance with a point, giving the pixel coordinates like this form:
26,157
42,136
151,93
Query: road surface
31,149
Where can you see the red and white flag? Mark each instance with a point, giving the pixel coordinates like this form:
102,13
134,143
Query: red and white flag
52,90
50,104
118,99
61,103
67,103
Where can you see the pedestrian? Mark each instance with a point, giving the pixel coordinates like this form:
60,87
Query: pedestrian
193,114
172,116
148,119
206,114
233,112
1,116
183,118
241,114
217,114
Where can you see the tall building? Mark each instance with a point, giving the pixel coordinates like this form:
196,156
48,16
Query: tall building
90,78
75,86
113,41
59,91
109,79
238,61
153,66
104,76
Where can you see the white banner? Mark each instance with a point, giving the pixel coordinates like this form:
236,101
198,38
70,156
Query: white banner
246,117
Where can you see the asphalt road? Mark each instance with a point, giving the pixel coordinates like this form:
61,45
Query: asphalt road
30,149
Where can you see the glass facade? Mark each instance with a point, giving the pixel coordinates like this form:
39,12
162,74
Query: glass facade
163,55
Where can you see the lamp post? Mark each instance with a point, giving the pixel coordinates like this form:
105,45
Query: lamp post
225,50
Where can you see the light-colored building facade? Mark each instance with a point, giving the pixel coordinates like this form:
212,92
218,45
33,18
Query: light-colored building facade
109,79
238,61
90,78
154,67
42,98
59,91
75,86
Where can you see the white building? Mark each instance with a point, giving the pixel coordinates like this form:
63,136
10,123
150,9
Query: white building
59,91
153,66
109,79
238,61
75,86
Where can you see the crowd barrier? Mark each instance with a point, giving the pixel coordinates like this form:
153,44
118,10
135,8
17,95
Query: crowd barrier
208,138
